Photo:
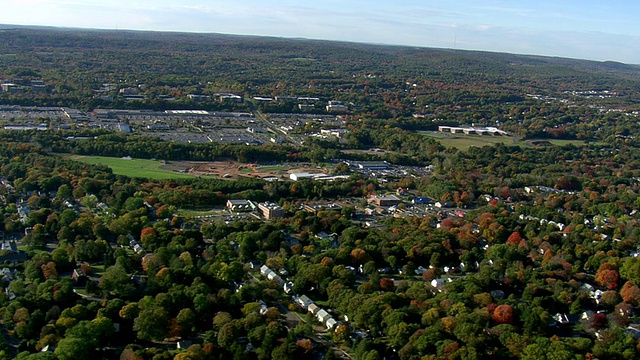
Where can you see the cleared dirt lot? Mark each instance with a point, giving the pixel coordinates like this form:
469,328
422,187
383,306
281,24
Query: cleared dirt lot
233,170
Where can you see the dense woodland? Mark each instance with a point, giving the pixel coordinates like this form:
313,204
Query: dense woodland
522,274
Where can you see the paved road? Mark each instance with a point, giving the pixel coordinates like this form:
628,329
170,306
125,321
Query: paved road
272,127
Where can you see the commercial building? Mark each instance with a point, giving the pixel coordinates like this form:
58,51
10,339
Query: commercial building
386,200
315,208
271,210
240,205
473,130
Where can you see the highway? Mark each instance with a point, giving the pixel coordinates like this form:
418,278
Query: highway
274,129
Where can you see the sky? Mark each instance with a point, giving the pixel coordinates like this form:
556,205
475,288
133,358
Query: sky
585,29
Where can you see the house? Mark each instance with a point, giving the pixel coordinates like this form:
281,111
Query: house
331,323
439,283
565,319
324,236
138,248
48,348
263,307
288,287
304,301
588,315
313,308
322,316
79,277
633,332
9,246
275,277
264,270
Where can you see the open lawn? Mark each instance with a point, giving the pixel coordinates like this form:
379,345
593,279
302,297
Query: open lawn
272,168
142,168
202,212
573,142
463,142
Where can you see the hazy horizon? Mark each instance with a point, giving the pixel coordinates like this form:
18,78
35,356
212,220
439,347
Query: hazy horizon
587,30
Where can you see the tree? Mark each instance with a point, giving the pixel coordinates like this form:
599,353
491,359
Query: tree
73,348
151,323
607,276
64,192
187,319
630,294
514,238
116,280
630,270
503,314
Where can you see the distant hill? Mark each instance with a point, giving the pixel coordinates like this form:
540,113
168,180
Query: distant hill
83,59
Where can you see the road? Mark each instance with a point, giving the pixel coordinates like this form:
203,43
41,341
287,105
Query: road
272,127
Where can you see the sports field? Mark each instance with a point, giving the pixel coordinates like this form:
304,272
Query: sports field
142,168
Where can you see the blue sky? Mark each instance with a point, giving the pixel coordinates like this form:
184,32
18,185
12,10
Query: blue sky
587,29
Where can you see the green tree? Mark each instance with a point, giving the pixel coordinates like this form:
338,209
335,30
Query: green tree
116,280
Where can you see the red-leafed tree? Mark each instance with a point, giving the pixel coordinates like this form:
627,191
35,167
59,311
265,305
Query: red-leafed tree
503,314
386,284
147,231
599,321
514,238
607,276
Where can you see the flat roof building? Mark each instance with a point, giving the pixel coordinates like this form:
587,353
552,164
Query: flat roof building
240,205
314,208
386,200
271,210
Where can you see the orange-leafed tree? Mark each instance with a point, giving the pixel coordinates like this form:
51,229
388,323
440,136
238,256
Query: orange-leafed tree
503,314
630,294
514,238
607,276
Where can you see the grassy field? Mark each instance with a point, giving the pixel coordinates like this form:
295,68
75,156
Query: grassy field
272,168
566,142
463,142
134,168
196,212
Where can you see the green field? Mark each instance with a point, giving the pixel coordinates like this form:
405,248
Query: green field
573,142
141,168
196,212
272,168
463,142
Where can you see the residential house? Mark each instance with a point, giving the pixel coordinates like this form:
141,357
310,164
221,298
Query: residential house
331,323
322,316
